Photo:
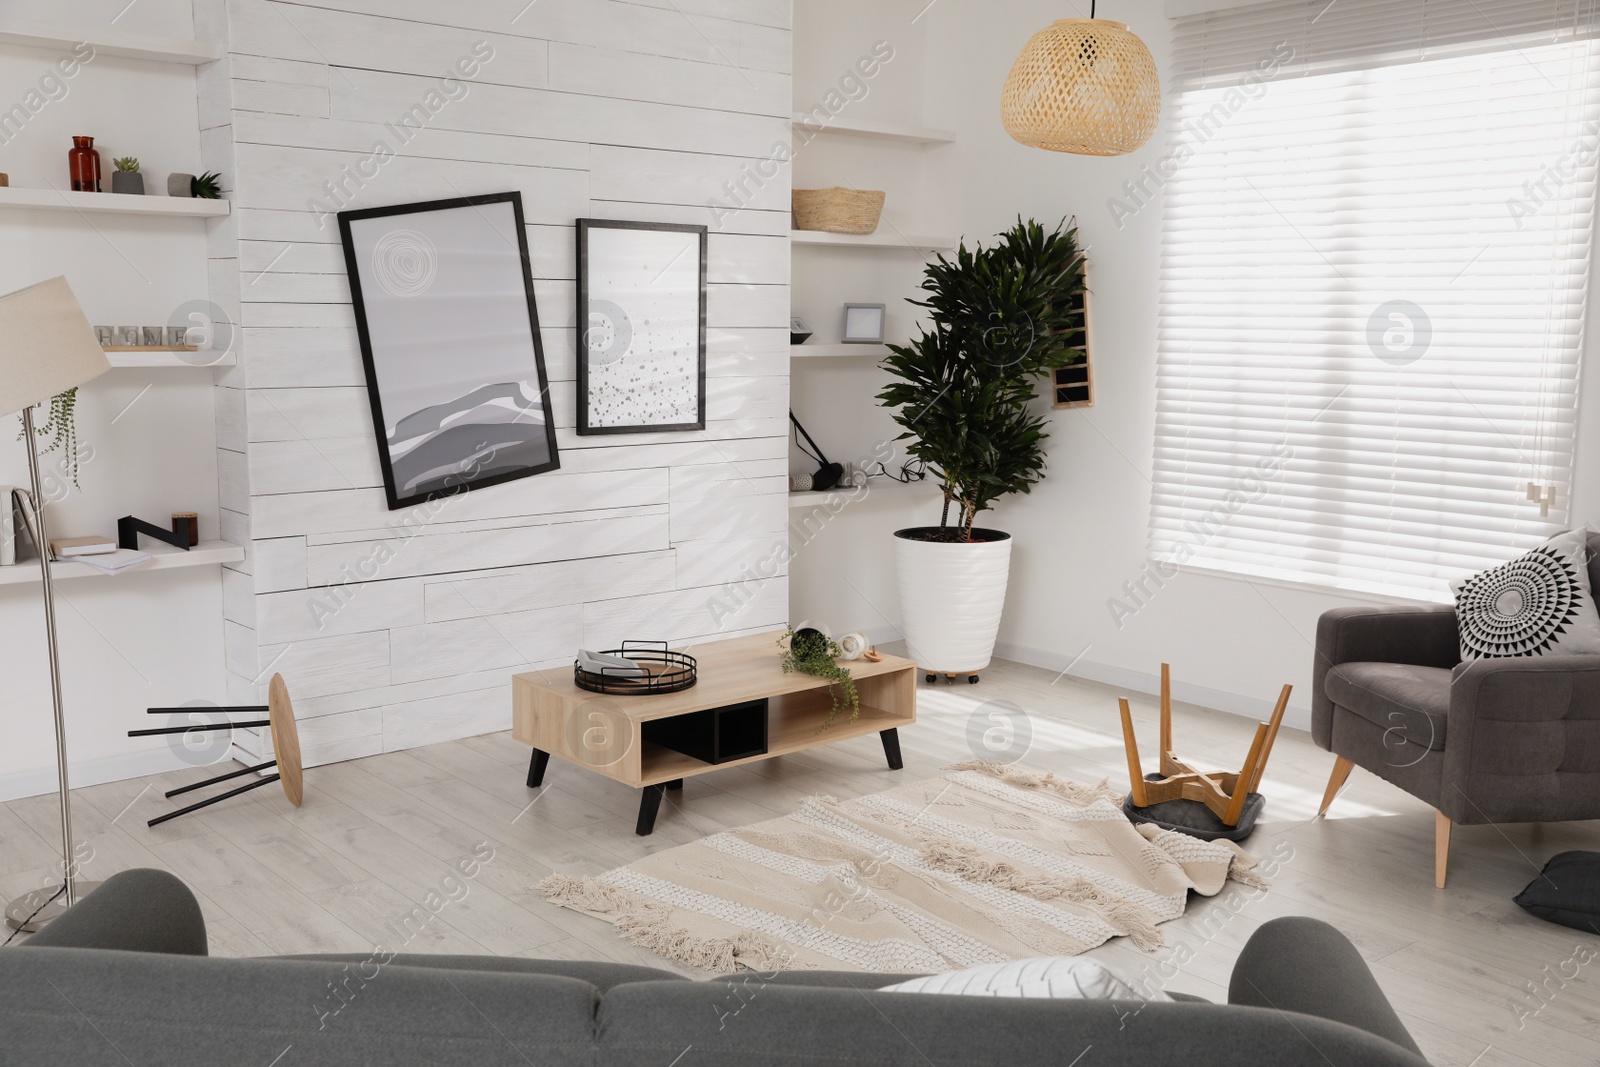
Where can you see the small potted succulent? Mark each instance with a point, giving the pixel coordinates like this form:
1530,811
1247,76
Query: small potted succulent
207,186
126,178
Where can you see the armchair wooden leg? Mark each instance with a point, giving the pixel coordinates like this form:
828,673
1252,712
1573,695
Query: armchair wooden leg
1441,847
1341,770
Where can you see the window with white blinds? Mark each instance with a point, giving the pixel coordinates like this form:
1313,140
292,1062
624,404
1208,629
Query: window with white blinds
1376,241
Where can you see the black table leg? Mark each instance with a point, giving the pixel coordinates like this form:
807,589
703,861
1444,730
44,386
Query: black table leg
891,748
541,760
649,804
676,783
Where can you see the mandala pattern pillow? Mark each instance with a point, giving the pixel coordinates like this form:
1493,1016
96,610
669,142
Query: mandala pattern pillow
1539,604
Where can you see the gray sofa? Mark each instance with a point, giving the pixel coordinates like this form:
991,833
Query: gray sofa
124,979
1493,740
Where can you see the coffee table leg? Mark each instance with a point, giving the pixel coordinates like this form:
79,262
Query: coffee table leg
676,783
891,748
541,760
649,804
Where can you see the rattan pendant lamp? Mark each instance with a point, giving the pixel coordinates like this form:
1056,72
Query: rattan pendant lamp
1086,86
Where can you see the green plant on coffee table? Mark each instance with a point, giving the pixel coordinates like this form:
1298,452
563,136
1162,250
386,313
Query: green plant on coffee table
207,186
127,165
1002,318
811,652
62,429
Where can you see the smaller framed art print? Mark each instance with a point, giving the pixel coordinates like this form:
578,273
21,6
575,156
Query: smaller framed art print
642,327
863,324
444,310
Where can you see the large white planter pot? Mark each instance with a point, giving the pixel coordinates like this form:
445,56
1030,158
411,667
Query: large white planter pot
951,596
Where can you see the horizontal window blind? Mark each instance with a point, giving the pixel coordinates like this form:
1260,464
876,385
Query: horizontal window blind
1373,282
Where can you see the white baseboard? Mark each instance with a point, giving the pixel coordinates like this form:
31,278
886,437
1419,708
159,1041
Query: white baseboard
1149,682
81,773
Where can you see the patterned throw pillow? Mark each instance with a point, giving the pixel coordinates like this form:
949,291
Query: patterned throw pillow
1539,604
1057,977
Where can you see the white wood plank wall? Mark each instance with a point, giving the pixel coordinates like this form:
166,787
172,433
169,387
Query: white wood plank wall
637,110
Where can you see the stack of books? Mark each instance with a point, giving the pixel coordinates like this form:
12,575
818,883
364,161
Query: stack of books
101,553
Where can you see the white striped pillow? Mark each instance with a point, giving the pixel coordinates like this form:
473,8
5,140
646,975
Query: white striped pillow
1060,977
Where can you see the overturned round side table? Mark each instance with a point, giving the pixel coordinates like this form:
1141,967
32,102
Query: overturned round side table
279,710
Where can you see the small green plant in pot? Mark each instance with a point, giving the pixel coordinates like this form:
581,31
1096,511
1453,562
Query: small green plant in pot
207,186
809,651
126,178
1002,318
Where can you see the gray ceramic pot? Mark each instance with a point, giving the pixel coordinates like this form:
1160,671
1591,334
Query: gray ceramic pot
180,184
127,181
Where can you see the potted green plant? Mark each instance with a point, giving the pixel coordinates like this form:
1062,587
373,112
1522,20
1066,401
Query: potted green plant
126,178
1000,319
812,652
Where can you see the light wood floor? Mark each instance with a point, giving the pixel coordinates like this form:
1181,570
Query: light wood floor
376,835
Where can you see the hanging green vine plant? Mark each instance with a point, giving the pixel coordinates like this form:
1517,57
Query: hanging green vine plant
811,652
62,428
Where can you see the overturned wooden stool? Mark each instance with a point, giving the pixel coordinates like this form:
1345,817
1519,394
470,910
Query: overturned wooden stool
1230,798
285,749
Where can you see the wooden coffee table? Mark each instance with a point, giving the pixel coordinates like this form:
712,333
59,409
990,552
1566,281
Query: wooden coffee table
604,734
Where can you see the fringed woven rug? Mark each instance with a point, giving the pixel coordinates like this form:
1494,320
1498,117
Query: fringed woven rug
984,864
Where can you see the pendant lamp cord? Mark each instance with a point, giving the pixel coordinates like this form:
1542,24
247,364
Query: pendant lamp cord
1091,8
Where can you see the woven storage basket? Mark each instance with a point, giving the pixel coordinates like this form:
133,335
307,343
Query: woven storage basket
838,210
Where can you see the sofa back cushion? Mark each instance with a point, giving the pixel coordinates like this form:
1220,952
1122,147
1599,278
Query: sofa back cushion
64,1007
743,1023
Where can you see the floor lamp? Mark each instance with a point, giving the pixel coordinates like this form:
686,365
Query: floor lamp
46,347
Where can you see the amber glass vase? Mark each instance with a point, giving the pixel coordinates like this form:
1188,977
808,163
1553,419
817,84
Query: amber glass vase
84,163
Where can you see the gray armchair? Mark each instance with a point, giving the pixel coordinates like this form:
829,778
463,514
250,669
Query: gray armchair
1494,740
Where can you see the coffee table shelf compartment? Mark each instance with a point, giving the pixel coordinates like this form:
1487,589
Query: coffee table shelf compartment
715,735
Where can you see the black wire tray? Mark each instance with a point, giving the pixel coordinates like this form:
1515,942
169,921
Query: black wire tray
666,671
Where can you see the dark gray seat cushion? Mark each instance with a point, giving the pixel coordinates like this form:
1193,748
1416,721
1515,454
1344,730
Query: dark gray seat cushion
602,974
1412,701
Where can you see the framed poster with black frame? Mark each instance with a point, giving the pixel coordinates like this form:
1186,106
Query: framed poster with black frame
449,332
642,343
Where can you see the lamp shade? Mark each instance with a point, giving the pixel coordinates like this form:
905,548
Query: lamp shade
46,345
1086,86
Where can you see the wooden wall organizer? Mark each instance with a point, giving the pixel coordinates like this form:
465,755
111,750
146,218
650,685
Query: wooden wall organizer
1223,792
1073,387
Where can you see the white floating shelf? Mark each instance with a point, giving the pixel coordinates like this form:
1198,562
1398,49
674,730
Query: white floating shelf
874,489
910,242
123,203
158,358
105,42
842,351
880,131
165,558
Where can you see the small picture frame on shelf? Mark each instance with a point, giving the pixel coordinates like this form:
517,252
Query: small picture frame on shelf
863,324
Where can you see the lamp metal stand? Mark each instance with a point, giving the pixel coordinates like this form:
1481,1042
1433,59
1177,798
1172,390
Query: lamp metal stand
33,910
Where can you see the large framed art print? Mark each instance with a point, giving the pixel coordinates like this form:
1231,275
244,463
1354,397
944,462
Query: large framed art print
449,332
642,337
